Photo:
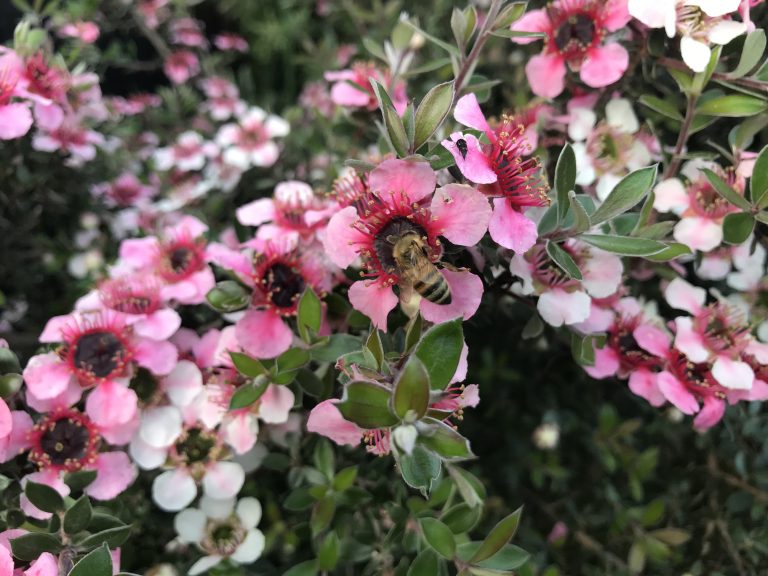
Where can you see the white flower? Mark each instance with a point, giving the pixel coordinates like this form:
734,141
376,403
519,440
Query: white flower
222,530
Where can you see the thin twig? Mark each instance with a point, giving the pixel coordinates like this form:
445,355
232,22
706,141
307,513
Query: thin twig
750,83
682,137
736,482
154,38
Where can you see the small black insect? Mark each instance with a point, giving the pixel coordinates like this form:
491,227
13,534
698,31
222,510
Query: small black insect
461,144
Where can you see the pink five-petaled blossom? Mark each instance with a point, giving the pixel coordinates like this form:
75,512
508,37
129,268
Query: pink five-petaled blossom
66,440
717,333
44,565
700,207
181,65
230,41
178,261
294,211
576,33
125,191
189,153
352,87
98,350
504,171
136,298
250,142
15,117
70,137
404,201
562,299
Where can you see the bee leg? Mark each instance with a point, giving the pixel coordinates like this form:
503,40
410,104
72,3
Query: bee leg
451,267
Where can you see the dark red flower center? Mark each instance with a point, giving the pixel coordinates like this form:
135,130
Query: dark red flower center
223,536
66,440
549,274
705,201
182,259
196,446
98,353
284,284
579,29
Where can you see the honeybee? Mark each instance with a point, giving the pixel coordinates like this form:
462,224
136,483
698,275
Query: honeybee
416,270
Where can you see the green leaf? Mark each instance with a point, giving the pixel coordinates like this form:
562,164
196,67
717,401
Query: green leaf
322,514
565,180
663,107
732,106
624,245
9,362
563,260
672,251
114,537
409,121
308,568
374,49
248,366
432,112
367,405
655,231
292,360
462,517
44,497
438,536
510,557
751,54
324,459
411,390
96,563
498,537
758,185
10,384
328,555
581,219
345,478
440,350
583,349
337,345
424,564
392,121
443,440
518,34
413,332
509,14
762,217
470,488
375,346
671,536
77,518
420,469
80,479
726,191
29,546
636,558
248,393
627,193
228,296
309,313
737,227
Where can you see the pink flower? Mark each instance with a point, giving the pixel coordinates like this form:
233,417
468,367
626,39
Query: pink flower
70,137
404,201
223,98
505,174
181,65
575,33
352,89
125,191
87,32
153,11
99,351
250,142
230,41
188,154
15,117
565,300
178,261
294,212
700,208
186,31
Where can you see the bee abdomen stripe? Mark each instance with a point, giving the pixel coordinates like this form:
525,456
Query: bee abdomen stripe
434,289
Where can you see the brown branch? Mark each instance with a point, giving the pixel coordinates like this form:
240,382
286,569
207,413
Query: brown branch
682,138
757,85
468,65
735,481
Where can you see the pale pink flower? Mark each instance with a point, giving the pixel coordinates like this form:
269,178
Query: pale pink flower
576,33
250,142
126,190
700,208
70,137
187,32
352,88
87,32
189,153
181,65
230,41
505,174
223,98
15,117
404,201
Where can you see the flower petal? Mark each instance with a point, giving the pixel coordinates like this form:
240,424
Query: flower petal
546,75
643,383
676,392
711,413
511,228
732,374
468,113
461,212
275,404
558,307
263,334
190,525
695,54
326,420
223,480
111,404
173,490
341,237
115,473
257,212
466,294
157,357
471,162
183,383
684,296
373,300
604,65
414,178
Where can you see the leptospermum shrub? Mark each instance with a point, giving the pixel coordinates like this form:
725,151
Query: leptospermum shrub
262,357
